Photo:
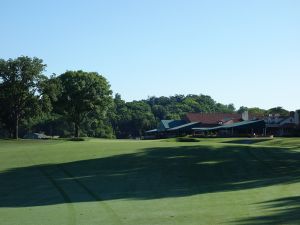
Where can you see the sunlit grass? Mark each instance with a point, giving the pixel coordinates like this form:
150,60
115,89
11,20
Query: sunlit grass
213,181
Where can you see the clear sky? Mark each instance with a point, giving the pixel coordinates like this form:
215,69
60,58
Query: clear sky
241,52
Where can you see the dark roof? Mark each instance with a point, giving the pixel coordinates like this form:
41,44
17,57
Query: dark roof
167,124
288,125
212,118
151,131
243,123
187,125
233,125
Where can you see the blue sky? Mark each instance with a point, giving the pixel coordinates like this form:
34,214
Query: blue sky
241,52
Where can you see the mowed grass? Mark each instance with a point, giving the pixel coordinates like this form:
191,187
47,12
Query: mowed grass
213,181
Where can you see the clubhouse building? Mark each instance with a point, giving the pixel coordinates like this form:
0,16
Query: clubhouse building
226,124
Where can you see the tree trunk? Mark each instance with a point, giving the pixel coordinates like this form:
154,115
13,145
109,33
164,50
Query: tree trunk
17,128
11,132
76,130
51,131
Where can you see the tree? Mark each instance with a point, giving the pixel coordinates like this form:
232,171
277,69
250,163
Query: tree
20,90
142,117
242,109
159,112
278,110
257,111
83,93
225,108
120,118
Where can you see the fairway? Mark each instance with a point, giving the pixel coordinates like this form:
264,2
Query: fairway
212,181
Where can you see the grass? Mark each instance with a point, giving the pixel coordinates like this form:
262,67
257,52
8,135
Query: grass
212,181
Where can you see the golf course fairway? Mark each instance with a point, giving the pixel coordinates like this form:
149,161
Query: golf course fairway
126,182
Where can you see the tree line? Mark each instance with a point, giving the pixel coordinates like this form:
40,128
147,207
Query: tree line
79,103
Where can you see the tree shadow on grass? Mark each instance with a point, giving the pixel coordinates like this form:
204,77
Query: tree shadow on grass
150,174
247,141
285,211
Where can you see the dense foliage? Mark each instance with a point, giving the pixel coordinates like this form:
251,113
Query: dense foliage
78,103
83,95
21,91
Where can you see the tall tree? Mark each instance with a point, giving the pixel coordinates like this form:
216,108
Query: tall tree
120,117
20,90
257,111
83,93
242,109
141,117
278,110
159,112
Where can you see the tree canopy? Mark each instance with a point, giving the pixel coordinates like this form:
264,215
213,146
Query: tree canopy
20,90
81,103
82,93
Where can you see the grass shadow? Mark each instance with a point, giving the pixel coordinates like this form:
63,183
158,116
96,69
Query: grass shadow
287,211
187,139
151,173
247,141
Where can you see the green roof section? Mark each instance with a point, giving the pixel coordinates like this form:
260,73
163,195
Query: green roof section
167,124
234,125
185,126
243,123
205,128
151,131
